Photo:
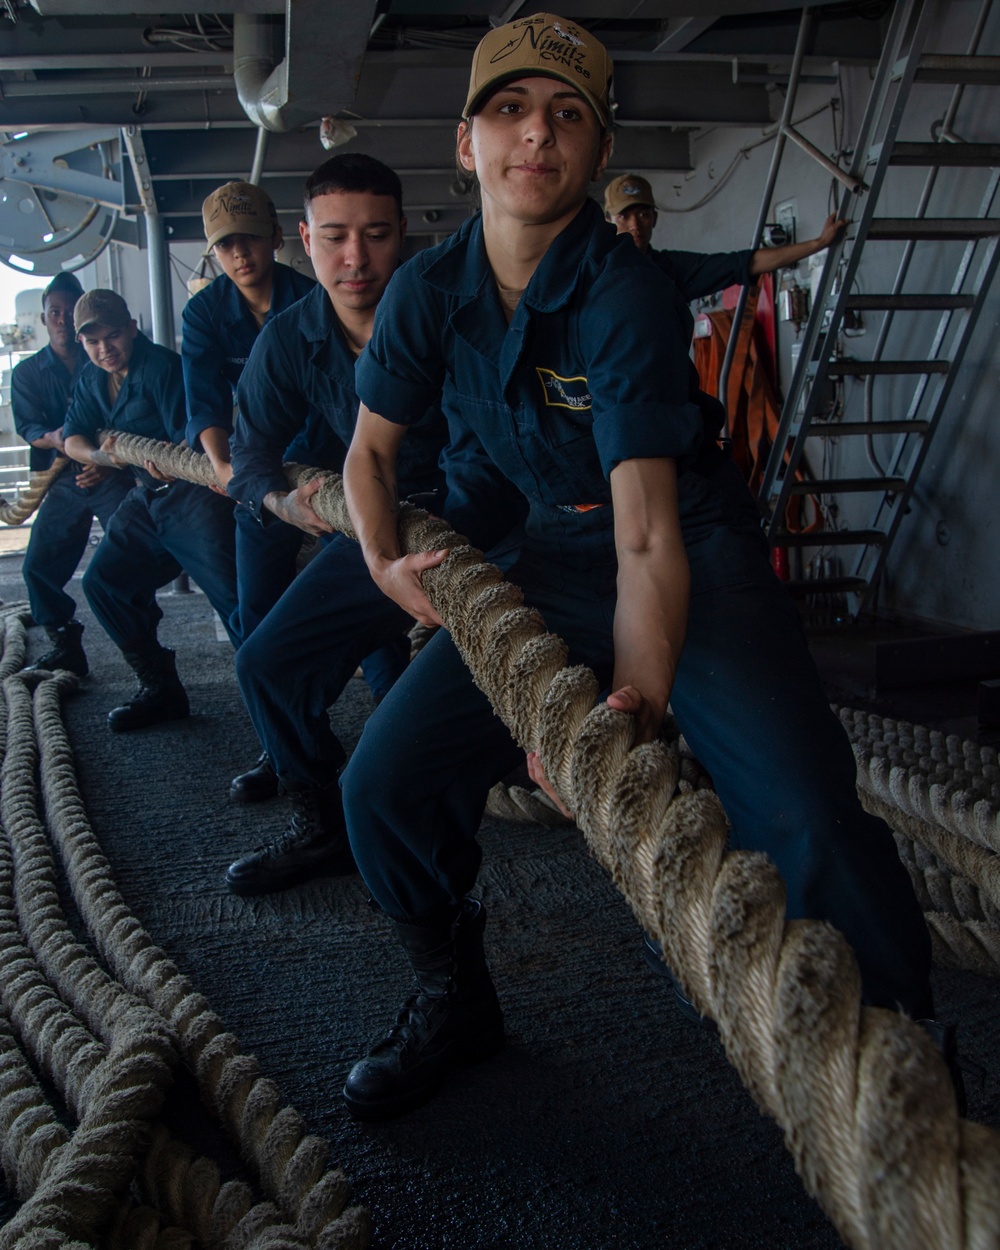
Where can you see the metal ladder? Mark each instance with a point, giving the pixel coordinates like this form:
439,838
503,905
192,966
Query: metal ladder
920,387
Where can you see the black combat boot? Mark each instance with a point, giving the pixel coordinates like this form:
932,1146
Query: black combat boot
313,845
454,1018
160,696
256,784
67,650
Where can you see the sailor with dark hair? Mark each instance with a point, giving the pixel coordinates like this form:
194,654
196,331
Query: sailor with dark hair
298,660
134,386
40,389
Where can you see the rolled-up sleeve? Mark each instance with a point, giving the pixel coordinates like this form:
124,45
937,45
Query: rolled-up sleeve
400,373
641,380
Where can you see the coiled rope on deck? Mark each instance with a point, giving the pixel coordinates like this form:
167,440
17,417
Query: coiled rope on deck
862,1095
27,501
941,797
108,1046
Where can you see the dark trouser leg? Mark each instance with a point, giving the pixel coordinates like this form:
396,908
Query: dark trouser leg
750,704
196,527
384,667
58,539
128,567
265,567
415,788
299,659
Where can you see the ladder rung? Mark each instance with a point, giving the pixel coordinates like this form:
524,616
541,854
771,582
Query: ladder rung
959,69
853,429
936,228
862,368
848,485
825,585
950,154
830,538
910,303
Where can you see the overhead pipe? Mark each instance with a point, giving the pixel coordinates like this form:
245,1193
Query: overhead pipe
262,86
259,156
317,78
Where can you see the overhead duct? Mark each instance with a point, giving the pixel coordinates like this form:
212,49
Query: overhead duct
324,47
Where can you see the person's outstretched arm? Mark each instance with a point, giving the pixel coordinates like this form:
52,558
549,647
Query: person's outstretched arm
768,259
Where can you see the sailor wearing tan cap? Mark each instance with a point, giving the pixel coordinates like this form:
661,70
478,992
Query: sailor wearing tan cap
630,207
161,528
222,321
221,325
40,391
567,354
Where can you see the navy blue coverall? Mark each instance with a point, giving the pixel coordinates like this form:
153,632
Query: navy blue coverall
297,662
220,331
160,528
701,273
40,389
592,370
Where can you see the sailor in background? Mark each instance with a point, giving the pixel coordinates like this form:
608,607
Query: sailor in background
221,325
631,209
40,390
134,386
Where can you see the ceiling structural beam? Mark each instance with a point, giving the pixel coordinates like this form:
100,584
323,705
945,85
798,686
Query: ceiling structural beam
147,8
221,154
684,33
318,76
113,86
114,61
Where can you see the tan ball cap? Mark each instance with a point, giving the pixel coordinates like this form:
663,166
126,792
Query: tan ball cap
100,307
238,208
627,191
546,46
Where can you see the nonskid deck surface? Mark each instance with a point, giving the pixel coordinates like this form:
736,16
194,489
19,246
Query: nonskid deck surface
609,1121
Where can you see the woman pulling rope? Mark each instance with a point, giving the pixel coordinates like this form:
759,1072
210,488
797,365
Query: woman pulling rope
564,351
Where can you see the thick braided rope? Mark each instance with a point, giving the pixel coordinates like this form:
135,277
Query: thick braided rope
112,1090
310,1201
941,797
184,1187
862,1095
15,644
27,501
78,1194
937,778
65,1050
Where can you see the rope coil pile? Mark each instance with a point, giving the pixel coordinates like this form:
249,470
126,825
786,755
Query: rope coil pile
27,501
862,1095
108,1042
941,797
